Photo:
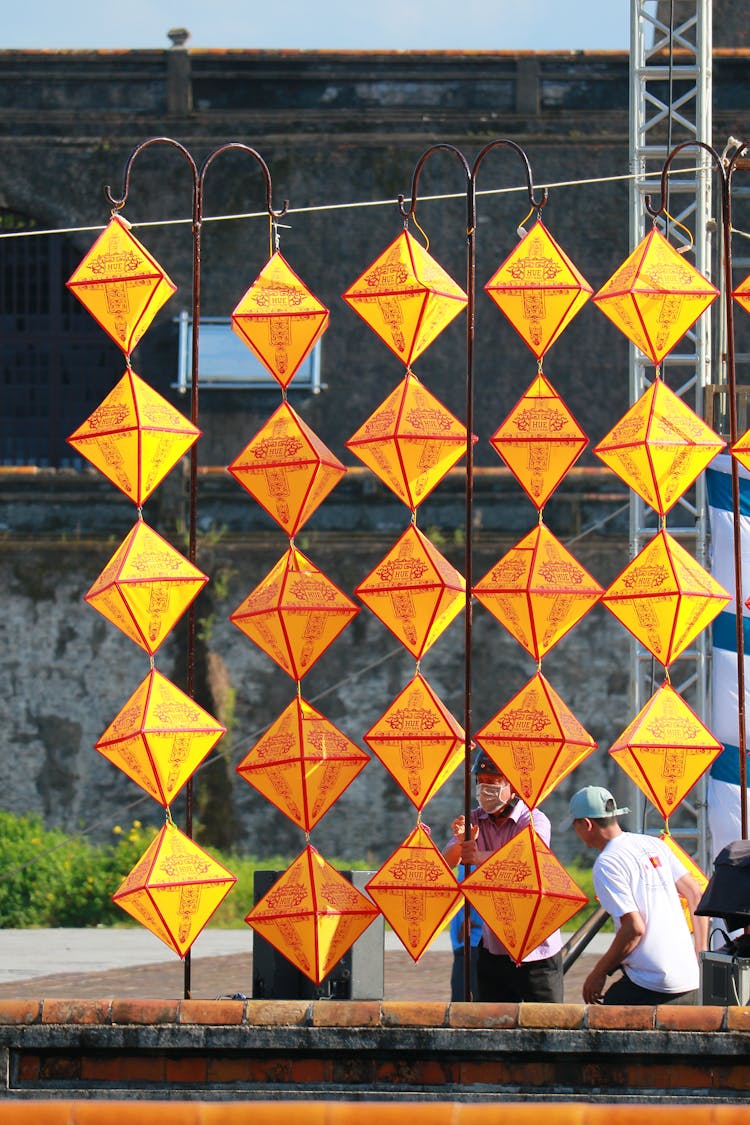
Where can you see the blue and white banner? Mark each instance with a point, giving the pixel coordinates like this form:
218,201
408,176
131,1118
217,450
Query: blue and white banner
724,776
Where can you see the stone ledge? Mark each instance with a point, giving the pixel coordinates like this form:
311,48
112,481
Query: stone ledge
72,1112
345,1014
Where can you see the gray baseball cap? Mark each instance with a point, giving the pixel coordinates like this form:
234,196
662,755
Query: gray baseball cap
593,802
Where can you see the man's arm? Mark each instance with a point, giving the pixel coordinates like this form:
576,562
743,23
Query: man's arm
459,851
632,928
690,890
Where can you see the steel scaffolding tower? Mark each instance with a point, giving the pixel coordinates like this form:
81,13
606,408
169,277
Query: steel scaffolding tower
670,102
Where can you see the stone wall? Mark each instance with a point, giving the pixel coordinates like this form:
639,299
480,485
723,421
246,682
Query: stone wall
68,671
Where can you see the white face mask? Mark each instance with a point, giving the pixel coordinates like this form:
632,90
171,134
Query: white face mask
493,798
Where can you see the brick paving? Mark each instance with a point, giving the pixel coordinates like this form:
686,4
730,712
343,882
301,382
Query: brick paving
214,977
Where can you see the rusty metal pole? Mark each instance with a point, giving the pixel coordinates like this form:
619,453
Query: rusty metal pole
726,170
726,206
118,202
471,223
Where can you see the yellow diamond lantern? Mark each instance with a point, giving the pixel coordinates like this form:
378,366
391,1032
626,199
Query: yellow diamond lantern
692,868
655,296
664,598
174,889
145,587
279,319
659,447
535,740
406,297
159,738
418,741
302,764
523,893
410,442
414,591
665,749
742,294
539,440
134,437
121,285
539,289
741,450
312,915
287,469
416,891
294,614
538,591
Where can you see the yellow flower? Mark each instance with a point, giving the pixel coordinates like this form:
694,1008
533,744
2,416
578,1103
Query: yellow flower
117,830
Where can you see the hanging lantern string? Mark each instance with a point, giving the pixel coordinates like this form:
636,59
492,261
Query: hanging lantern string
317,208
521,229
274,239
168,816
688,232
423,232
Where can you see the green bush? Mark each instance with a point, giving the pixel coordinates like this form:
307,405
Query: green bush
50,879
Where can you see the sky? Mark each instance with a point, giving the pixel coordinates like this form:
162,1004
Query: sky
538,25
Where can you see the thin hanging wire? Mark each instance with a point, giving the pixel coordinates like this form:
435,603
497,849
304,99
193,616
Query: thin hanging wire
323,207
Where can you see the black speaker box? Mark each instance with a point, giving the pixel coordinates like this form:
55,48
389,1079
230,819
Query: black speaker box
357,976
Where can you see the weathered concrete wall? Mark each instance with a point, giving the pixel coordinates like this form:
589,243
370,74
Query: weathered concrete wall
68,671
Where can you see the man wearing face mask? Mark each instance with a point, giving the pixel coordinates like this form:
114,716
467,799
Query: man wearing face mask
500,816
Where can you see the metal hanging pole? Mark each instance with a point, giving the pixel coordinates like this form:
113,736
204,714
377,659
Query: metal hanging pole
726,170
471,172
118,202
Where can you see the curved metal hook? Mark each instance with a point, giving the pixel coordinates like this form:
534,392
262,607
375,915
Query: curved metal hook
118,202
263,166
739,153
408,214
654,212
537,204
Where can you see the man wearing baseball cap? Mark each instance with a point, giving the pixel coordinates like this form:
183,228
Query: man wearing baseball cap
501,815
638,880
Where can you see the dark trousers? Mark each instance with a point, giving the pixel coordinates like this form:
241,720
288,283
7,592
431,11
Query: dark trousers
625,991
457,974
500,980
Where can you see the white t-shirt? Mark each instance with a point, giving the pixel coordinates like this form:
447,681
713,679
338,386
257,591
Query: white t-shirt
638,873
